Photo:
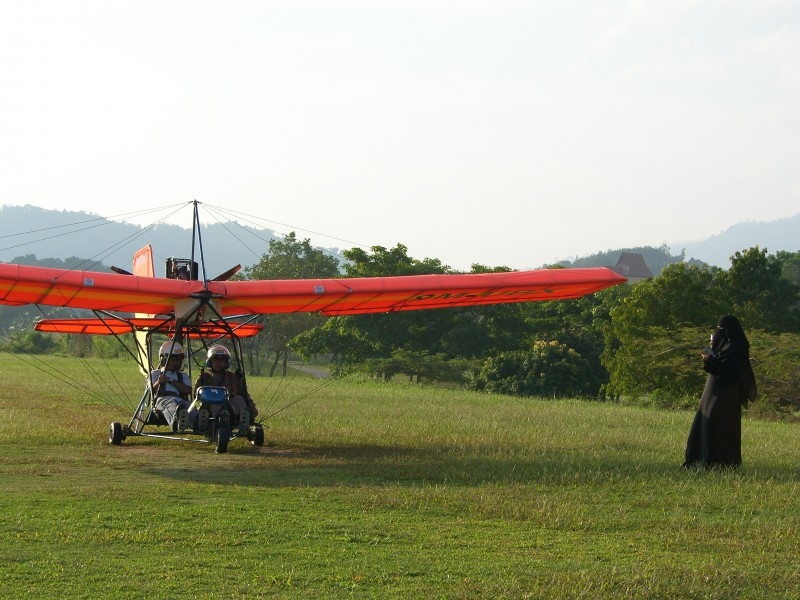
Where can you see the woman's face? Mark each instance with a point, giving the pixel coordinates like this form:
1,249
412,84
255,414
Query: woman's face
718,337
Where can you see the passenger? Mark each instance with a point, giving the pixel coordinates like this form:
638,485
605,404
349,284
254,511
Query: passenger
218,361
172,387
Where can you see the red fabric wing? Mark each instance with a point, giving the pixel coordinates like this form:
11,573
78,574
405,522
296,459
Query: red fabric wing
20,284
122,326
416,292
129,293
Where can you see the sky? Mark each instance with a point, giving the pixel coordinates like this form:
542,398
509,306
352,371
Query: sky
496,132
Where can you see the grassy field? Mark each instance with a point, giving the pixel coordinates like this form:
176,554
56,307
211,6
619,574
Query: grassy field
389,491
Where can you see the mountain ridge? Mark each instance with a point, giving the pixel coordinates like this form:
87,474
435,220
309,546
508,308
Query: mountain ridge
27,227
775,236
29,230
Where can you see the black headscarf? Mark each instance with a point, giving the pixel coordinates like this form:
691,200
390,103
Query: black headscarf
730,329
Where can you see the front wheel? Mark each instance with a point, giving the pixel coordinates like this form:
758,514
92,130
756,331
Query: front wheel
257,434
115,434
222,436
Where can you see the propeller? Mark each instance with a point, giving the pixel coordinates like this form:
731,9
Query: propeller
228,274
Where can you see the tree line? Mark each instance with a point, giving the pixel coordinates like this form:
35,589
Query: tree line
640,341
636,341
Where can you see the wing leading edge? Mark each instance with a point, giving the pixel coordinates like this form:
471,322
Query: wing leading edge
20,284
416,292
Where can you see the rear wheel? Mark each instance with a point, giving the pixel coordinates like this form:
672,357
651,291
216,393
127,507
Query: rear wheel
115,435
222,435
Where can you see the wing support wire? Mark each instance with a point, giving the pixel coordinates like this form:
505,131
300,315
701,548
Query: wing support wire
141,353
196,235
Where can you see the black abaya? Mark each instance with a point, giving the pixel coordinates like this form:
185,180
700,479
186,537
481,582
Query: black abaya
715,439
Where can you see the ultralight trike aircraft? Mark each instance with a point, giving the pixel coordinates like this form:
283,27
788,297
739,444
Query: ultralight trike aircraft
188,308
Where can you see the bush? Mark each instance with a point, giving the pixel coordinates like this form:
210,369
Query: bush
549,369
30,342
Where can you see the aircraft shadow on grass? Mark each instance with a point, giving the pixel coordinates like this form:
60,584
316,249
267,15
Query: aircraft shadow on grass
338,465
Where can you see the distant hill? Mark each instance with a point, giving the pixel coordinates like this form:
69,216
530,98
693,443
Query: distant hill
26,231
783,234
655,258
716,250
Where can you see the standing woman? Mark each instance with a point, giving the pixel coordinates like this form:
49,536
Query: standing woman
715,439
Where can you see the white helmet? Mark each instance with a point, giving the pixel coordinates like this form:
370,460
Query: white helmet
170,347
218,350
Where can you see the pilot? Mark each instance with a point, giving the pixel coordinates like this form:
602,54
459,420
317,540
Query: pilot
218,361
172,387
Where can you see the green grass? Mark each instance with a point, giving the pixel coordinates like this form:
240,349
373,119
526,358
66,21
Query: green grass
392,491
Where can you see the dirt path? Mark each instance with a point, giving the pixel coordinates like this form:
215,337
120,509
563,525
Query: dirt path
319,372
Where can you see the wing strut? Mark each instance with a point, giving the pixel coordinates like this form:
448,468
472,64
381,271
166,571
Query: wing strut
198,236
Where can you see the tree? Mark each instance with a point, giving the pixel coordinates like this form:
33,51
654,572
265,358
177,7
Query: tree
336,337
383,263
482,331
289,258
656,310
790,266
655,333
419,365
547,369
355,338
29,342
578,324
790,270
437,336
758,292
776,363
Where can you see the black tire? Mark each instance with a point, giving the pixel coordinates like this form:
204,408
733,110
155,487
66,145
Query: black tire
222,435
257,435
115,434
